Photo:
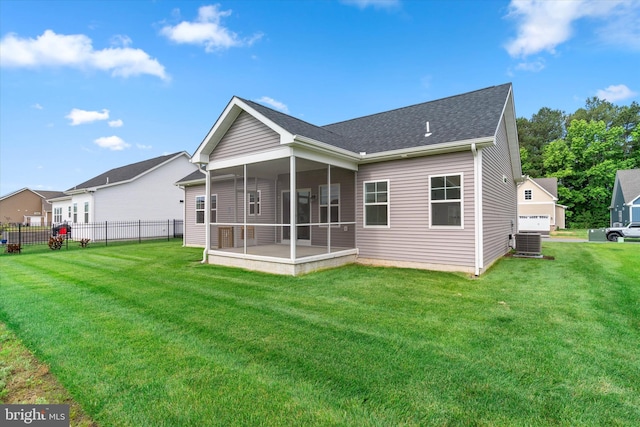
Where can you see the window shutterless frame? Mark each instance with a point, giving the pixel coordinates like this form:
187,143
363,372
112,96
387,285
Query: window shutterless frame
376,204
199,209
446,201
329,210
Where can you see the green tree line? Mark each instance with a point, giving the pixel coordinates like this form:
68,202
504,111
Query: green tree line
583,150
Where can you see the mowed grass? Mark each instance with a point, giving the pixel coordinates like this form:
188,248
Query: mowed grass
145,335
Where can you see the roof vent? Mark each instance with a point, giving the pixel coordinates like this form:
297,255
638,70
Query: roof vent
428,134
107,180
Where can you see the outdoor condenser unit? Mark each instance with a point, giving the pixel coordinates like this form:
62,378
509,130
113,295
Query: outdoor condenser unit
529,243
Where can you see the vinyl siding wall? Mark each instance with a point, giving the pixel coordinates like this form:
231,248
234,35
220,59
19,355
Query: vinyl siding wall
194,234
15,208
409,238
619,206
499,198
150,197
246,135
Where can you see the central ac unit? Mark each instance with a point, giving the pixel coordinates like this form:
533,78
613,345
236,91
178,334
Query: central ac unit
529,243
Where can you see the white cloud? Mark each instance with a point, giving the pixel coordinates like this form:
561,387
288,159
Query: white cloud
120,40
543,25
76,51
616,93
79,117
379,4
275,104
207,30
533,66
37,106
144,147
114,143
116,123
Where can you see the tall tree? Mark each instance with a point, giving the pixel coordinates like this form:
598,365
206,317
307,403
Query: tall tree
545,126
595,109
585,163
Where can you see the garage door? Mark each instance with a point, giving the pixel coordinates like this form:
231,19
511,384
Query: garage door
534,223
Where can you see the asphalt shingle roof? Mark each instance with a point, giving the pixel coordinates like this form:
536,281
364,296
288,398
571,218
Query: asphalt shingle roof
196,175
549,184
124,173
630,183
461,117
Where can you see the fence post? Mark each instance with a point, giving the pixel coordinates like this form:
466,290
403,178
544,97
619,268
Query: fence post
168,231
106,231
139,231
20,237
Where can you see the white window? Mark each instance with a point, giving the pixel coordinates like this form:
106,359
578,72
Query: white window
86,212
57,215
200,209
376,204
330,204
445,203
254,202
69,212
527,194
75,212
214,208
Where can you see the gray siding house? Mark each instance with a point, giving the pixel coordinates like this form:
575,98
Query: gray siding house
431,185
625,200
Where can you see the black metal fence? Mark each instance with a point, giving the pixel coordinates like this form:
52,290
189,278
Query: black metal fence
97,232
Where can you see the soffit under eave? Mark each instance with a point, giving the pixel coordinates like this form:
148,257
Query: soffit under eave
509,116
226,120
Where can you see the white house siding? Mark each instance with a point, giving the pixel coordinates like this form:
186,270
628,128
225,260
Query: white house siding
499,198
194,234
409,240
246,135
149,197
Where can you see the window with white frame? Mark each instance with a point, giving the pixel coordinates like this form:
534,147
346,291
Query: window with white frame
330,203
69,212
528,194
214,208
376,204
75,212
86,212
200,209
254,202
445,202
57,215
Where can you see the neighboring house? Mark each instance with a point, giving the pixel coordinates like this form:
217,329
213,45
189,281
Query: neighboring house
26,206
538,208
431,186
625,201
139,191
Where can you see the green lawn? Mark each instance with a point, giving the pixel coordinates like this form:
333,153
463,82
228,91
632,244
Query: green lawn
144,335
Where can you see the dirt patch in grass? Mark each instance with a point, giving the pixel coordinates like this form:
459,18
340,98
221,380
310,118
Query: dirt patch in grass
23,379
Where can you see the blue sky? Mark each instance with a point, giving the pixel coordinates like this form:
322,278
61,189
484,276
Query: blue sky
86,86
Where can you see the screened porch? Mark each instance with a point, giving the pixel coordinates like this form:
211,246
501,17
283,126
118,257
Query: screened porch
256,223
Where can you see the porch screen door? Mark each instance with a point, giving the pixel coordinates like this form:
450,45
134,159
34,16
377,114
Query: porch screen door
303,212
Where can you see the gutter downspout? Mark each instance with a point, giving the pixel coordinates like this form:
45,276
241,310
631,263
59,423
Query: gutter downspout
477,201
207,217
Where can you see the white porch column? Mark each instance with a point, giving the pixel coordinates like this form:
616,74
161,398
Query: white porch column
244,209
328,208
293,200
207,216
